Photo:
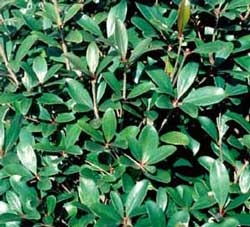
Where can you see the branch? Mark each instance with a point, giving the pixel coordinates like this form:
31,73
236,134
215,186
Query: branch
12,75
60,28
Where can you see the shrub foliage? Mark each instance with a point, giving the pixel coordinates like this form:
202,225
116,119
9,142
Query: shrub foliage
124,113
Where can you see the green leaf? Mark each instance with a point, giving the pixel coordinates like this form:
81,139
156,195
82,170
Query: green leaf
246,141
154,16
149,141
176,138
136,196
219,182
51,204
140,49
111,80
74,36
109,124
71,12
25,46
180,218
205,96
9,217
121,38
88,191
77,62
14,201
79,93
27,157
90,25
118,11
156,215
13,132
162,198
65,117
183,15
210,47
40,68
239,119
50,99
6,98
161,79
208,125
244,180
92,57
242,218
140,89
107,213
90,131
117,203
161,154
186,78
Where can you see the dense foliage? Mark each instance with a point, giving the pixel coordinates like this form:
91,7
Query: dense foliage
124,113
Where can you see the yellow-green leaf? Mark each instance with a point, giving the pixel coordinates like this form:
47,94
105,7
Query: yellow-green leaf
183,15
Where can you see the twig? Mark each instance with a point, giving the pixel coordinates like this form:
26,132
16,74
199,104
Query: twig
12,75
60,28
93,83
180,67
124,85
177,58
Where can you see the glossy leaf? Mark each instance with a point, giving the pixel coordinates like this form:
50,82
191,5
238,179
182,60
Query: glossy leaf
136,196
109,124
186,78
155,214
27,157
92,57
219,182
121,38
175,138
205,96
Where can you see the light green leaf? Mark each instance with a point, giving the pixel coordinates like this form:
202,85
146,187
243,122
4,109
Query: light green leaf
205,96
136,196
156,215
27,157
219,182
186,78
79,93
40,68
71,12
176,138
118,11
149,141
121,38
14,201
25,47
141,48
88,191
117,203
92,57
109,124
210,47
161,154
244,181
90,25
140,89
